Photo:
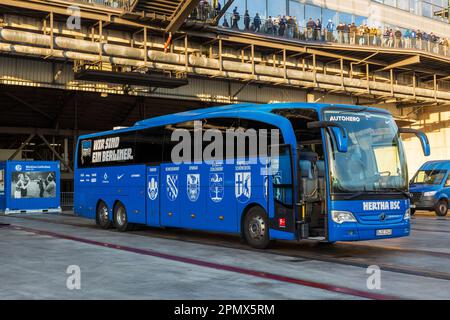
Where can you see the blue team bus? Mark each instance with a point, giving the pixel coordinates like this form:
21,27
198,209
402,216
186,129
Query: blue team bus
339,174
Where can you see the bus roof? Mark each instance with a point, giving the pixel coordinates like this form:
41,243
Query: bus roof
228,111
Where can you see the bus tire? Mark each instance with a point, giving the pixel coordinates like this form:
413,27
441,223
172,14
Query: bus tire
441,208
121,218
256,228
102,216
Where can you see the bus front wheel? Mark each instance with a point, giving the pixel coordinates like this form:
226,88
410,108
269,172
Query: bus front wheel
441,208
256,228
121,218
102,216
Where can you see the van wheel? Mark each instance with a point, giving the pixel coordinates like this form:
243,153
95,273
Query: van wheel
121,218
256,228
412,212
441,208
102,216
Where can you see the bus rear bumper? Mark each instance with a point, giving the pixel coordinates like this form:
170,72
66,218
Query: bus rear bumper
360,232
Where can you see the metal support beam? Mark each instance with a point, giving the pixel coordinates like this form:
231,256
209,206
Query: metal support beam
60,158
23,145
219,16
180,16
402,63
26,104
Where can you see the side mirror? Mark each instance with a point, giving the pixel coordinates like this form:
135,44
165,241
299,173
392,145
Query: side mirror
339,132
422,137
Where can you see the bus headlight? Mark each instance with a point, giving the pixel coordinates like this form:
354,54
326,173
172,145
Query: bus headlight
342,216
429,193
407,215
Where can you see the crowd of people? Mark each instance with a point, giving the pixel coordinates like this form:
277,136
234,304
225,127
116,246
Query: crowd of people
315,30
345,33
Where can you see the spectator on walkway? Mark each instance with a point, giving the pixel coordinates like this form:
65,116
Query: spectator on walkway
346,33
407,39
217,8
329,30
269,25
398,38
276,25
425,39
310,27
282,27
257,22
353,30
318,36
235,18
340,31
225,23
290,26
413,37
246,21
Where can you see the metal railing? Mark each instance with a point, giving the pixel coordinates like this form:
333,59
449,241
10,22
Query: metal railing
67,200
291,29
115,4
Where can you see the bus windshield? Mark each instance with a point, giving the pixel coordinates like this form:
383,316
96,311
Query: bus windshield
374,161
432,177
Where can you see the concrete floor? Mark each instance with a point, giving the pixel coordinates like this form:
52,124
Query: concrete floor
36,250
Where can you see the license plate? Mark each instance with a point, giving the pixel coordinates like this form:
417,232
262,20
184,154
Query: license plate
384,232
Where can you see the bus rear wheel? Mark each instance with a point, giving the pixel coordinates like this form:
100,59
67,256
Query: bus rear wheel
441,208
102,216
121,218
256,228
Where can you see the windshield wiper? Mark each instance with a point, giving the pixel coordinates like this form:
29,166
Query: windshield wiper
405,193
360,193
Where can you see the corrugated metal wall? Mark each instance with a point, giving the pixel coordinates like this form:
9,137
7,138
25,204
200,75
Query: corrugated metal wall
19,71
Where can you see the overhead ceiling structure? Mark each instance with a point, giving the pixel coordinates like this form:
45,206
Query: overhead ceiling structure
132,41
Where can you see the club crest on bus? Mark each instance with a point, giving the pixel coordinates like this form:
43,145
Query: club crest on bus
172,186
152,189
216,187
243,186
193,186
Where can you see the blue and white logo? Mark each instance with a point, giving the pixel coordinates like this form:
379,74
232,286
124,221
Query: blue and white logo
18,167
172,186
216,187
152,189
193,186
243,186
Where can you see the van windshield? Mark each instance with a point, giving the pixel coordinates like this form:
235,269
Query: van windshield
432,177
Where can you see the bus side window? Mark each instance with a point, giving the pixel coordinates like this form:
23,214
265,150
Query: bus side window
263,137
149,145
219,125
184,127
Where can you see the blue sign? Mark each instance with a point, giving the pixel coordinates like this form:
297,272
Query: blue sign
216,187
152,189
172,186
243,186
193,186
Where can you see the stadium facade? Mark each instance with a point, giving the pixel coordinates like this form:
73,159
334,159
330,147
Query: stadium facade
73,67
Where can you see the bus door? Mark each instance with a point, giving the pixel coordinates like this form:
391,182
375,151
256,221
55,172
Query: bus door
282,177
153,195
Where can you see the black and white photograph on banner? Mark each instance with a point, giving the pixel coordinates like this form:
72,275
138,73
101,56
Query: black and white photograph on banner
39,184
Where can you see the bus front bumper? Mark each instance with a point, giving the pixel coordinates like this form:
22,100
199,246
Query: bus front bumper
356,232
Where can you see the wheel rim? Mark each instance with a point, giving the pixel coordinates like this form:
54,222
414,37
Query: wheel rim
103,213
121,216
257,228
442,208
